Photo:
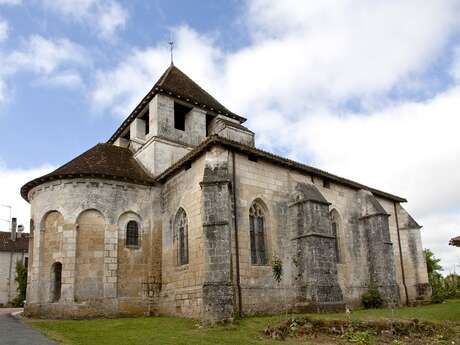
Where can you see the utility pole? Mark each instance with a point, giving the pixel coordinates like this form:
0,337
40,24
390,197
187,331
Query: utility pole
9,219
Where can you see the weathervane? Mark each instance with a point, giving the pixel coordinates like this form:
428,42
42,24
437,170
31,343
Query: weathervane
171,48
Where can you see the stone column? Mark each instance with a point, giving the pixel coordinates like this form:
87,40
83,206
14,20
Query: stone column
110,261
382,274
314,251
216,215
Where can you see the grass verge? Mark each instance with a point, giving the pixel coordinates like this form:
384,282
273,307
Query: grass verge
180,331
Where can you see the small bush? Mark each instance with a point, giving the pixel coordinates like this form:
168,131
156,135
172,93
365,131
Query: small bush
358,337
372,299
21,279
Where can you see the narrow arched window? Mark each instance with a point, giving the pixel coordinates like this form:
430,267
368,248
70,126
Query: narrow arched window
335,224
257,235
181,229
132,233
56,283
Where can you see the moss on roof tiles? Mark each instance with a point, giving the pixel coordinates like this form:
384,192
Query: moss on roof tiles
103,161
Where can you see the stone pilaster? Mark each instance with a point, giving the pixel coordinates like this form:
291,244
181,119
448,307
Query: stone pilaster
110,261
314,251
216,211
69,245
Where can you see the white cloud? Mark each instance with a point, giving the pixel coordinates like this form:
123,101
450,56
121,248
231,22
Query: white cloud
106,16
411,149
68,78
10,183
304,62
120,89
4,29
45,56
51,60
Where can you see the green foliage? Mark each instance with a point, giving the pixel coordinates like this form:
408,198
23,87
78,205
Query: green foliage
441,339
452,285
176,331
432,263
438,287
358,337
21,279
277,268
372,299
397,342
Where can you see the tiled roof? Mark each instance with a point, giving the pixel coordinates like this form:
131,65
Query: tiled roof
7,245
249,150
455,241
177,84
103,161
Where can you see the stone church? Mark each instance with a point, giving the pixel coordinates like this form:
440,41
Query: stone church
179,213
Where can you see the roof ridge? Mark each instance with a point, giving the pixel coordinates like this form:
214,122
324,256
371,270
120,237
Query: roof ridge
162,78
215,138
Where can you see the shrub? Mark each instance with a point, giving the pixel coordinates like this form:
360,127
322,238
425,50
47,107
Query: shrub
358,337
372,299
21,279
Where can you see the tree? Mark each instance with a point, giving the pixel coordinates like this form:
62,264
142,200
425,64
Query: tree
439,293
432,263
21,279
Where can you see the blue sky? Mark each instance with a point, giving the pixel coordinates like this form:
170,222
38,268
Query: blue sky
72,124
366,90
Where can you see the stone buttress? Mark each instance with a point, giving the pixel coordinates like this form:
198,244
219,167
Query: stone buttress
374,220
217,287
314,247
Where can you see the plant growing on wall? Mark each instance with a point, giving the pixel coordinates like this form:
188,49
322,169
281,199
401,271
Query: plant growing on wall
277,268
21,279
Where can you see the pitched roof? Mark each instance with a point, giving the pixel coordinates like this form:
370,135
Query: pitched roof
104,161
249,150
455,241
7,245
177,84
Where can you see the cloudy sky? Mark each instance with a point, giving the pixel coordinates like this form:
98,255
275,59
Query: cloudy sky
369,90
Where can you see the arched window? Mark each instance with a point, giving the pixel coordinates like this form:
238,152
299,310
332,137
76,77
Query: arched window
257,235
132,233
56,283
335,223
181,229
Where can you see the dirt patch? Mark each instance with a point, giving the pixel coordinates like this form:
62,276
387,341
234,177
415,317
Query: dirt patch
399,332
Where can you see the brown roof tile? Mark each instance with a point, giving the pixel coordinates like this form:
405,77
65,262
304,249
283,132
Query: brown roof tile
7,245
455,241
103,161
177,84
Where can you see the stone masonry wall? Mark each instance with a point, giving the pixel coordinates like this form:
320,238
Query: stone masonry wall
79,224
181,292
274,185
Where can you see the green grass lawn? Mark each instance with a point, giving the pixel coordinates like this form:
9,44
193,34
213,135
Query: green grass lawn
173,330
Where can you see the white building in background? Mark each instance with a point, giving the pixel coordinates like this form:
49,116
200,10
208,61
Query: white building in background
13,248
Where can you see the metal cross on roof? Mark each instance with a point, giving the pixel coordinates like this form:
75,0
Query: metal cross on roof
171,47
